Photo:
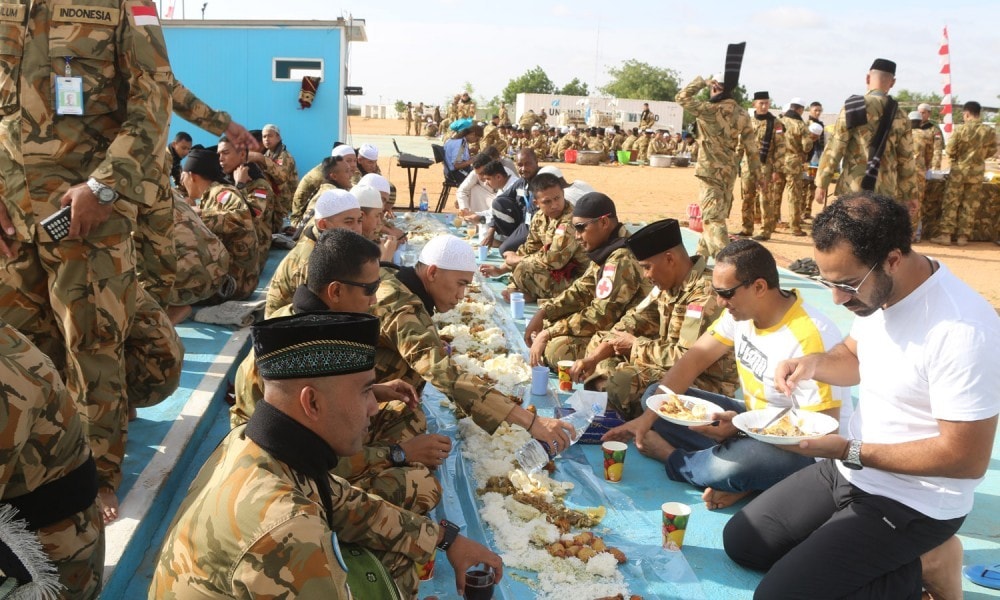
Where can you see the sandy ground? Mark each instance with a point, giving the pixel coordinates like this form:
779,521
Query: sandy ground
646,194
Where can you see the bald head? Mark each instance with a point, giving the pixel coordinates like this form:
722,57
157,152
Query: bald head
880,80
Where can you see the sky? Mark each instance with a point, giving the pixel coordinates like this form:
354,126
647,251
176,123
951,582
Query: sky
426,51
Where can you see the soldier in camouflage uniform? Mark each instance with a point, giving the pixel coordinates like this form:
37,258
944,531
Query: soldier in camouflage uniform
335,209
629,144
154,354
400,424
250,180
722,124
305,191
42,442
279,160
504,116
611,285
156,261
897,177
286,516
923,156
968,149
647,120
567,142
653,335
931,127
202,260
102,155
798,145
762,195
642,146
657,145
551,258
228,215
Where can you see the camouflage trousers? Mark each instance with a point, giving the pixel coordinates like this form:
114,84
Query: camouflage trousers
625,384
154,354
960,208
761,201
76,547
75,300
564,347
751,209
915,211
716,199
156,258
202,260
796,187
535,279
412,487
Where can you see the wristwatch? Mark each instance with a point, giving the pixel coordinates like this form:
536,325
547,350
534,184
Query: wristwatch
450,533
853,458
105,195
397,456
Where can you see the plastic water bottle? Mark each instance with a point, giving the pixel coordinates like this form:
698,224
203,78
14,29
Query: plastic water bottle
424,203
534,455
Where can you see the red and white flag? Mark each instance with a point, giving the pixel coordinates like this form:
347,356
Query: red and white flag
945,54
170,11
143,15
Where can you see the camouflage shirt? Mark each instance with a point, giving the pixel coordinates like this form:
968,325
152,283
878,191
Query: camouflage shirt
667,323
202,259
923,151
896,175
292,271
551,242
227,214
968,148
599,297
192,109
276,541
305,191
798,145
260,196
721,126
775,151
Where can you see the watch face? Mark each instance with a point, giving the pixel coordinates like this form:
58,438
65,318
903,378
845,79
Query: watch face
397,456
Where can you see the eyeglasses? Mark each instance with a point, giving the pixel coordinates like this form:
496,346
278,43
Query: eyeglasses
369,289
580,227
728,293
843,287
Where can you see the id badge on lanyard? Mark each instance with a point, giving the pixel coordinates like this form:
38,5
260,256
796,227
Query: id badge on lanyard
69,92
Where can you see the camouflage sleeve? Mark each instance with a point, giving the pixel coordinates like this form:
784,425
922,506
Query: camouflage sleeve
132,162
938,147
836,144
289,274
20,405
750,145
304,192
572,299
906,186
642,320
561,251
690,317
599,314
535,242
953,145
192,109
296,558
686,97
778,143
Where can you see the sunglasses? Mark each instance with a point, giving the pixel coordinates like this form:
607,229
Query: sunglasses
728,293
580,227
368,289
843,287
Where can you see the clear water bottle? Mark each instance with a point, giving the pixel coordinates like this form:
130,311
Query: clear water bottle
534,455
424,202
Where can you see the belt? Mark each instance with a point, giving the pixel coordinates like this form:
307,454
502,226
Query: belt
56,500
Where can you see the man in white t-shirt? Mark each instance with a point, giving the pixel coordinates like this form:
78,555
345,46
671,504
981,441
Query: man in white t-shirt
902,480
763,325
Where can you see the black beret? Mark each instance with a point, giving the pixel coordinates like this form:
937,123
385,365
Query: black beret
761,96
655,238
593,205
203,162
316,344
884,64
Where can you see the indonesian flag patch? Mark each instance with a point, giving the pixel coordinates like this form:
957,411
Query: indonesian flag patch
561,229
279,161
223,196
260,193
694,311
607,282
143,15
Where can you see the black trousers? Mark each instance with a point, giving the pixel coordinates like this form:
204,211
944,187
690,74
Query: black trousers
818,537
515,240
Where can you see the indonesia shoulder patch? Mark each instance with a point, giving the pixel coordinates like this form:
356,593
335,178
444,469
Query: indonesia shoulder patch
260,193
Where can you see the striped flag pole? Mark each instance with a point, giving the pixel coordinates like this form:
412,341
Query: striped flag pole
945,54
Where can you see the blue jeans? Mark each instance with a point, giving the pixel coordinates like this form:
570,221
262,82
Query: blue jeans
738,464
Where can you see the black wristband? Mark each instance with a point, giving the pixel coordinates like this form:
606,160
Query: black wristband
450,533
532,424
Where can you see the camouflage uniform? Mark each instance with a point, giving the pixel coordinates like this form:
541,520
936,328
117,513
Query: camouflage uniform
228,215
305,191
938,149
75,298
567,142
409,348
281,165
575,315
897,177
261,199
761,194
291,272
418,119
156,260
665,324
551,256
412,487
277,542
42,440
504,117
647,120
641,151
629,143
657,146
192,109
202,259
153,354
721,125
968,148
923,156
798,144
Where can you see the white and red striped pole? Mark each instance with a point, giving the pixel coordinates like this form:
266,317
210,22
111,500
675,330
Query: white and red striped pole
945,54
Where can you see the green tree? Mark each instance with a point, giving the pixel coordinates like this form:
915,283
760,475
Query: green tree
909,100
636,79
574,88
400,107
533,81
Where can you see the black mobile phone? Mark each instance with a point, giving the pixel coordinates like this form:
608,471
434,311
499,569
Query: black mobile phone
57,224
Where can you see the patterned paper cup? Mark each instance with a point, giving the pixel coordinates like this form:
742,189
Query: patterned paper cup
426,570
565,383
614,460
675,521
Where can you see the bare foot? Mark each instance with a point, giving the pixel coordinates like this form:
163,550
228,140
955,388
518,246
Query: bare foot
178,314
942,570
109,504
133,414
654,446
715,499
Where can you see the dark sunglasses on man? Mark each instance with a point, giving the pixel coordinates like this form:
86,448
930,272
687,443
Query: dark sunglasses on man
368,289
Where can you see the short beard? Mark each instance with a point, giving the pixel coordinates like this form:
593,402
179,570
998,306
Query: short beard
881,292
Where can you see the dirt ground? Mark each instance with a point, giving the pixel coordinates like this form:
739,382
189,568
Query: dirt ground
647,194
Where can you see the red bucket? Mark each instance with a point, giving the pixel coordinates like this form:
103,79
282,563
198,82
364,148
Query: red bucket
570,156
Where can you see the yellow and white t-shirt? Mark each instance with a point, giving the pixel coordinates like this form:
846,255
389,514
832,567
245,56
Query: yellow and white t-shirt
803,330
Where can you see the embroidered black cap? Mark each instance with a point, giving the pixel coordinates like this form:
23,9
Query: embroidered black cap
317,344
655,238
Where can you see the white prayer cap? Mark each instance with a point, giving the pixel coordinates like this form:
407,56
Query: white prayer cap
334,202
536,127
924,106
650,131
368,151
368,197
376,181
343,150
797,102
572,128
551,171
817,129
271,127
914,116
449,252
564,130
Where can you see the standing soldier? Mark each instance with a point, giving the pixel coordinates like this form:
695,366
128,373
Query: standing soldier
853,143
408,117
721,123
972,143
92,140
923,156
504,116
798,145
647,120
418,118
761,197
927,125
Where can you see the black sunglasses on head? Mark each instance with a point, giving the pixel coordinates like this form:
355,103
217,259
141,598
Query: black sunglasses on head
369,289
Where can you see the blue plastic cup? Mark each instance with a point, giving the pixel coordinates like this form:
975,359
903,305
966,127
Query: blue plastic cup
517,305
483,253
539,380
